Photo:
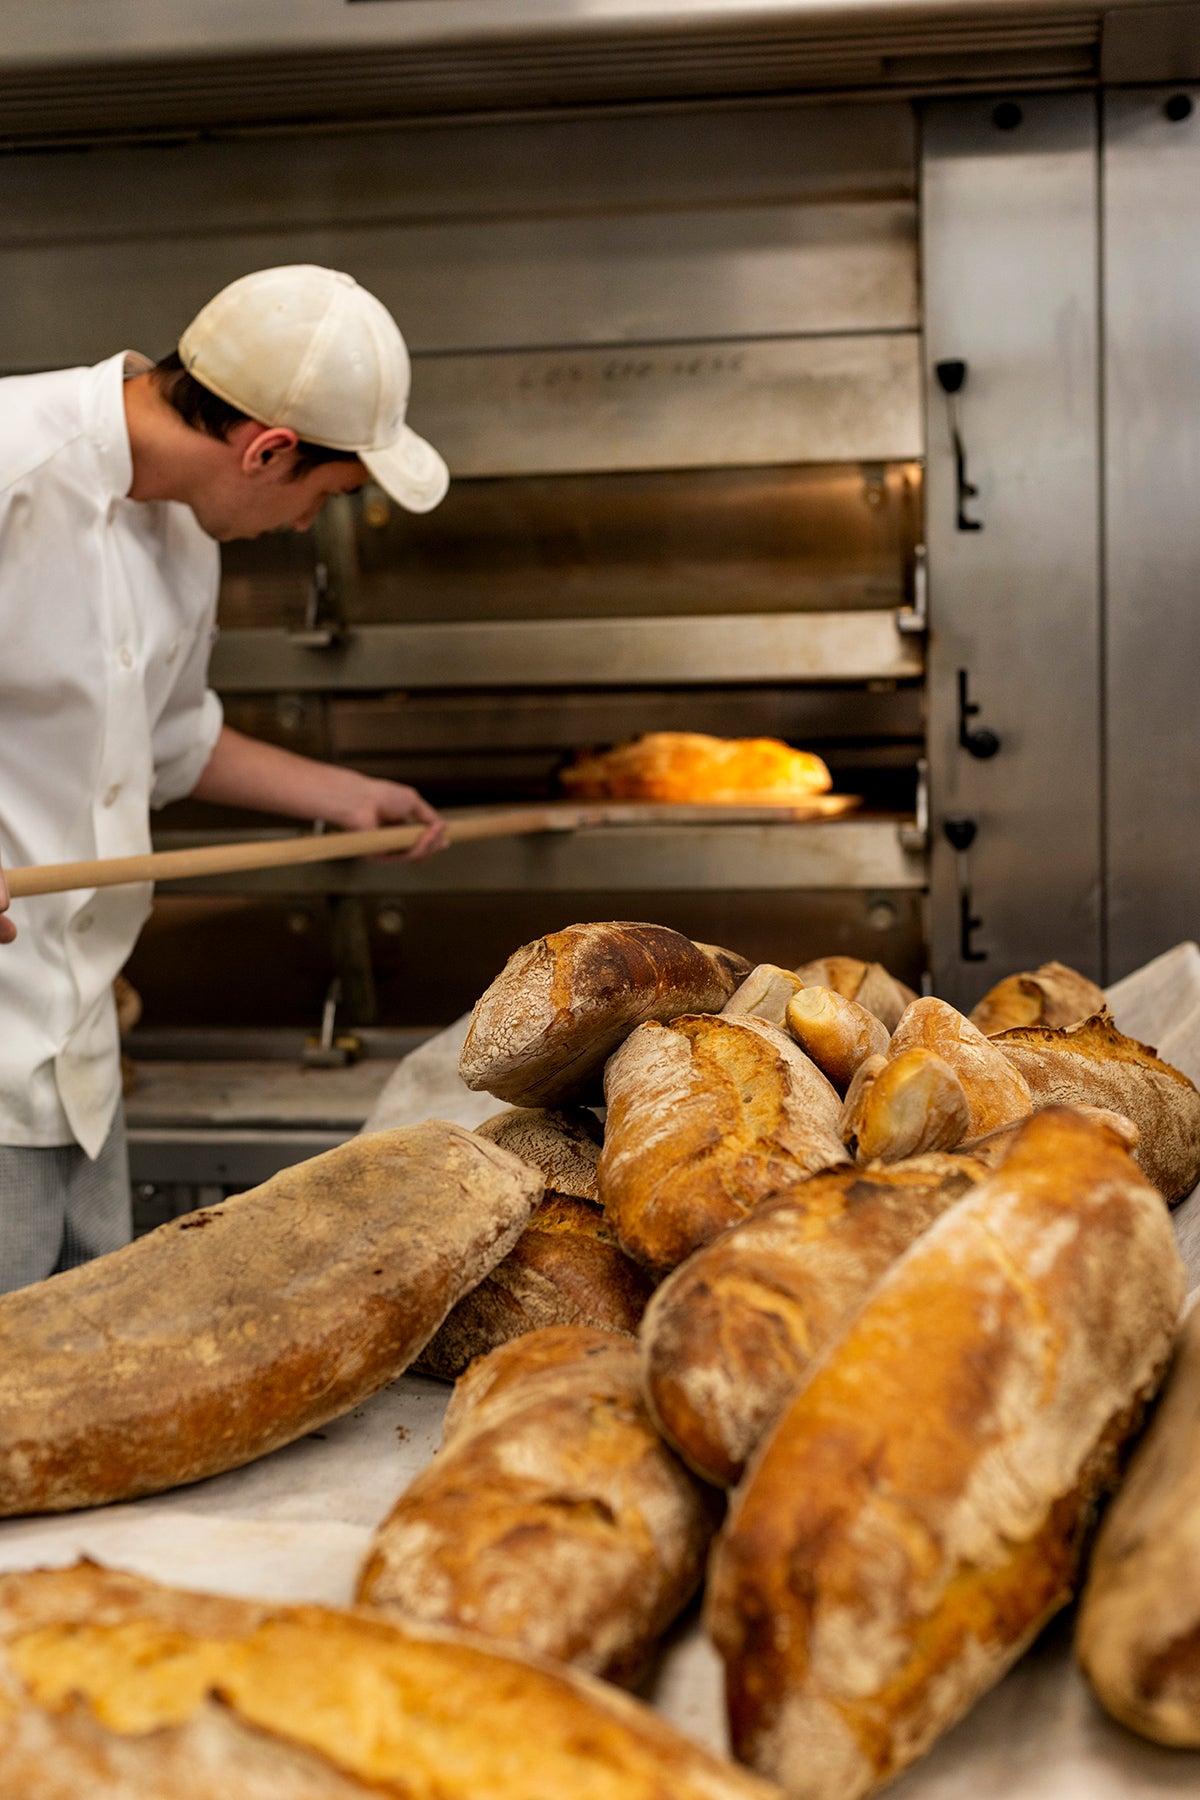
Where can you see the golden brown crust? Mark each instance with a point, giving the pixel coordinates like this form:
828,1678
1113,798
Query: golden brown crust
1139,1626
921,1508
764,994
692,766
541,1033
1094,1064
910,1105
555,1519
562,1142
838,1034
730,1336
566,1268
237,1329
996,1092
706,1117
868,983
394,1709
1050,995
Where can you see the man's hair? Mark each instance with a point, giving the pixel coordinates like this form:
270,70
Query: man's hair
205,411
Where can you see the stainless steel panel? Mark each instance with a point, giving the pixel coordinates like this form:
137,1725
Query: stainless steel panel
575,652
1152,456
1010,238
224,1157
845,853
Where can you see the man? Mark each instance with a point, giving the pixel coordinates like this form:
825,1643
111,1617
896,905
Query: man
115,483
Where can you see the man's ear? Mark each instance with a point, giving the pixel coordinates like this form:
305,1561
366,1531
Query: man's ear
263,446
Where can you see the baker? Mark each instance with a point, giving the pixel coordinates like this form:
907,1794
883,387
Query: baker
116,485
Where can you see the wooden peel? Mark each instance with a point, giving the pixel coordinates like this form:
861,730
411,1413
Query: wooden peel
278,853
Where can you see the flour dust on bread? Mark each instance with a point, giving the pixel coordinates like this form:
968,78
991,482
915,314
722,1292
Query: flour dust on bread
237,1329
924,1503
563,1142
107,1685
838,1034
541,1033
1050,995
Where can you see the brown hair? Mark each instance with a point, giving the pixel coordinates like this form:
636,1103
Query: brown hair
205,411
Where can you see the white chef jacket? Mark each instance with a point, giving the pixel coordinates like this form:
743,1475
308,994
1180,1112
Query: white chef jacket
107,609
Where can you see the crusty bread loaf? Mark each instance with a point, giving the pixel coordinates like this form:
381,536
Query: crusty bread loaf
922,1506
563,1143
555,1519
1050,995
994,1146
764,994
838,1034
1139,1626
231,1331
107,1686
566,1268
732,1334
909,1105
1094,1064
692,766
542,1032
706,1117
868,983
996,1092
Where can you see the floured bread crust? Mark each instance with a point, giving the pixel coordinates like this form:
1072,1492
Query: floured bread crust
996,1092
107,1671
706,1117
563,1143
555,1519
837,1033
233,1330
922,1506
566,1268
910,1105
868,983
730,1336
1051,995
1094,1064
541,1033
1139,1626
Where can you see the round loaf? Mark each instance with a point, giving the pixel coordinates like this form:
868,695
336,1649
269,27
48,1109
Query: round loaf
1051,995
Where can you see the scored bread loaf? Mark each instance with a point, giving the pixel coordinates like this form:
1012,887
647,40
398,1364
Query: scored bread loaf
1050,995
706,1117
996,1092
910,1105
1094,1064
838,1034
566,1268
116,1688
764,994
233,1330
922,1506
1138,1636
555,1519
868,983
730,1336
563,1143
541,1033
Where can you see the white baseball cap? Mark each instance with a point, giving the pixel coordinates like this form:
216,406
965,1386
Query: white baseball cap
307,348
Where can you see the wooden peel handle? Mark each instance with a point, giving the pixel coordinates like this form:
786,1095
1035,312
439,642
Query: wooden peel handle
229,859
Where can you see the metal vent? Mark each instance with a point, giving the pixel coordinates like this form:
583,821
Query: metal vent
345,85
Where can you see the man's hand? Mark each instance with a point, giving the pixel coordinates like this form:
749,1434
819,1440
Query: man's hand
392,803
8,930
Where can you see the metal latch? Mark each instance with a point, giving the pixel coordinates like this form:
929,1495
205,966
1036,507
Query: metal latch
323,625
327,1050
915,837
913,621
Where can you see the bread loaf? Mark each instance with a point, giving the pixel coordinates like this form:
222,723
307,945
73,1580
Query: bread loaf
566,1268
563,1143
115,1688
763,995
730,1336
1094,1064
231,1331
692,766
922,1506
868,983
555,1519
542,1032
838,1034
996,1092
994,1146
1139,1625
706,1117
908,1106
1051,995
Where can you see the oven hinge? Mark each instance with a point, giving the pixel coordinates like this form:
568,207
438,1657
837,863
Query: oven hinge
913,621
915,837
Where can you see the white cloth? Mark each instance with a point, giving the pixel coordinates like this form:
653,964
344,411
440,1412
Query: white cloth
107,608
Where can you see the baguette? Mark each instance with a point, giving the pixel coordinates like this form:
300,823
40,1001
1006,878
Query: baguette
764,994
730,1336
706,1117
996,1091
566,1268
837,1033
555,1519
1094,1064
118,1688
911,1106
921,1509
1051,995
562,1143
1138,1636
868,983
542,1032
234,1330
